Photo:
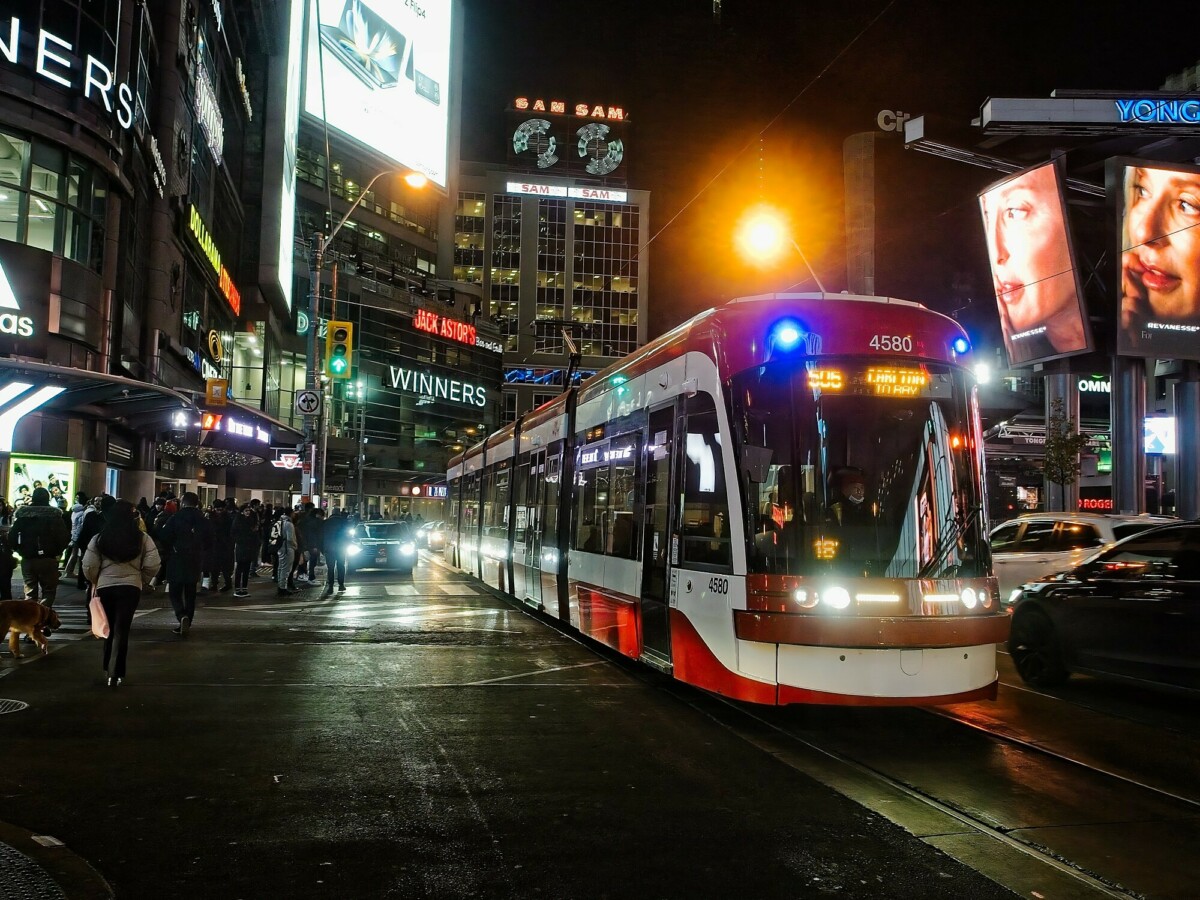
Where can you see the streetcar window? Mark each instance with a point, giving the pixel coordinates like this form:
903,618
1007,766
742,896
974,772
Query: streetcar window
854,476
705,502
495,504
606,499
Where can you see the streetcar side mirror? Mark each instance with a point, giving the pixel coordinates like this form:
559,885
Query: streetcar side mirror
756,463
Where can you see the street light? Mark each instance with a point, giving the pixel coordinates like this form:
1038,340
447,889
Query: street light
762,235
321,243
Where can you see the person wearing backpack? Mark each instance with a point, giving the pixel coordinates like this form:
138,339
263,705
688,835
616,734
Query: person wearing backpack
40,535
188,539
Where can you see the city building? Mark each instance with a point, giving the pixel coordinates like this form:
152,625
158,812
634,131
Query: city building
556,243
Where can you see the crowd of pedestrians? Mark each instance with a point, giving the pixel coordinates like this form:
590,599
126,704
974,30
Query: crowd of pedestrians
119,550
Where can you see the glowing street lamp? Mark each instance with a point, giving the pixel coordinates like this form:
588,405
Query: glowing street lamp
762,235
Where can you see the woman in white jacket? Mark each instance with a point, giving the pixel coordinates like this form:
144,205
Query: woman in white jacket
119,562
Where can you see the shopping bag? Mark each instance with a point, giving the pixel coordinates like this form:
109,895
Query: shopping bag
99,619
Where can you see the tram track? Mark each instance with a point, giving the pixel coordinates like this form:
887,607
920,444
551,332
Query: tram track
871,785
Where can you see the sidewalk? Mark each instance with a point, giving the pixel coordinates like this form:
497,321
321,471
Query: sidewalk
33,865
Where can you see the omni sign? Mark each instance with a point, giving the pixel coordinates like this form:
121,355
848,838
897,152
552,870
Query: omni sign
432,323
213,255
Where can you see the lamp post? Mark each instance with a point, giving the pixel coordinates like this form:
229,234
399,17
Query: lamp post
320,244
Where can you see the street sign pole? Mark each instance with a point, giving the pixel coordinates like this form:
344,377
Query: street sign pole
313,369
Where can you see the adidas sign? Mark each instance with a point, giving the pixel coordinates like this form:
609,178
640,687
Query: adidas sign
12,322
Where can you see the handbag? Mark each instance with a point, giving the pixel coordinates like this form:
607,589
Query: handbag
99,618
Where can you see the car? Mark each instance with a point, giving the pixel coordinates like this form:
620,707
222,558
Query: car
1131,611
382,545
434,535
1034,545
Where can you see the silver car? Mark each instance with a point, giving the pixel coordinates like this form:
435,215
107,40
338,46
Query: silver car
1034,545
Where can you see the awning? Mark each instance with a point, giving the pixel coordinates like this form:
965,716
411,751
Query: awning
65,391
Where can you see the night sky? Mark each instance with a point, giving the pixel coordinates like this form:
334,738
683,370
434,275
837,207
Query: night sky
699,94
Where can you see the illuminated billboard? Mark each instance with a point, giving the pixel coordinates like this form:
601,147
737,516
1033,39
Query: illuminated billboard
386,66
28,473
1038,295
1158,215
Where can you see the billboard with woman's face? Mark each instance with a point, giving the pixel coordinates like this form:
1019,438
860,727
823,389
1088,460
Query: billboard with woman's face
1158,212
1033,270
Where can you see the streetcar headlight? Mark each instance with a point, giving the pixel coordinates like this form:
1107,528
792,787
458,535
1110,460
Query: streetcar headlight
804,599
837,597
969,598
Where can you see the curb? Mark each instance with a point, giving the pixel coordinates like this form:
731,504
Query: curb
71,873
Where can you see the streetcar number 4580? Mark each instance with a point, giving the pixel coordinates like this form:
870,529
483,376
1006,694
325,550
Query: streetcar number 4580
896,343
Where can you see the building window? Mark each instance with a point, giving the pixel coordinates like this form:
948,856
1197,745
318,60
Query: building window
605,281
551,275
506,267
52,200
469,220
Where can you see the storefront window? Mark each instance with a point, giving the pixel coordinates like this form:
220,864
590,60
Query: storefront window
248,367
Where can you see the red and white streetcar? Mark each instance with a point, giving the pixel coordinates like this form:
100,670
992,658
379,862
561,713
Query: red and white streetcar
780,501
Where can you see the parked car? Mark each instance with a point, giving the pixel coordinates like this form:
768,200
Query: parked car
382,545
1131,611
1034,545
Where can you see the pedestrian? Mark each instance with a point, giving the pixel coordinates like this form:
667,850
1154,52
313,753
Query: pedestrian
6,512
146,513
164,510
300,524
336,538
8,565
314,536
119,562
40,535
79,510
98,513
247,538
221,560
188,538
283,536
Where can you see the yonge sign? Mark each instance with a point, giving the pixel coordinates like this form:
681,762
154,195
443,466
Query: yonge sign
54,59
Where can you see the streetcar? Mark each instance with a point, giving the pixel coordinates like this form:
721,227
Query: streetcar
780,501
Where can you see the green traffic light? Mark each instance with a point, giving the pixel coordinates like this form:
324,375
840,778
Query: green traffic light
337,365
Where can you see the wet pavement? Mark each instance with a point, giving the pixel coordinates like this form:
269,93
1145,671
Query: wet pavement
409,738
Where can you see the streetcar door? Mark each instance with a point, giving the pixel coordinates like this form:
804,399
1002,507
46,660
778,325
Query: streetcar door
656,536
535,490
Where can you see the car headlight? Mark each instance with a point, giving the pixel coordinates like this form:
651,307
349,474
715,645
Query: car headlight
353,550
408,548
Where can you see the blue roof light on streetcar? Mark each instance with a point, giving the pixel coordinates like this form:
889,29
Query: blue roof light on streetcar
960,345
786,334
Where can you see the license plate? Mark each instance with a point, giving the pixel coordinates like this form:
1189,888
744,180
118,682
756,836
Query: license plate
382,557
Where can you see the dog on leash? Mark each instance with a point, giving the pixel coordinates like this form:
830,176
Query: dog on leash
26,617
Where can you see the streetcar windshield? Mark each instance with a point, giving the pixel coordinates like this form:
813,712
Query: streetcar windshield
860,467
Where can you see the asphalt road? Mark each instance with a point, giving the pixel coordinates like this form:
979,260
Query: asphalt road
416,738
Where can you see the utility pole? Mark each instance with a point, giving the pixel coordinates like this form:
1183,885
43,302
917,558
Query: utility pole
312,373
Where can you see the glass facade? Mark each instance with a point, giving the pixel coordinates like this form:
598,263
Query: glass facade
605,283
551,273
506,267
469,224
51,199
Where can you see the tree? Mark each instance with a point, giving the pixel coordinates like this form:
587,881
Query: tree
1063,445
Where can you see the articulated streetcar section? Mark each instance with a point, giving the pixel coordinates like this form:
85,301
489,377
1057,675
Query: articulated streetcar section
780,501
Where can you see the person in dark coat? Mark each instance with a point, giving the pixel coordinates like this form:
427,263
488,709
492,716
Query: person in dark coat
247,539
221,560
40,534
314,538
188,538
336,536
8,565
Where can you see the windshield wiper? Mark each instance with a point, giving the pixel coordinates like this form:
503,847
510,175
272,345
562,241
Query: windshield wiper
973,516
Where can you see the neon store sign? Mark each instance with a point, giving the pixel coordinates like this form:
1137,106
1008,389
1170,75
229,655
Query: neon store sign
442,326
209,247
1159,112
56,61
230,425
559,108
431,387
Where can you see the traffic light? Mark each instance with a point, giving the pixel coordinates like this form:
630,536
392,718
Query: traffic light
339,349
